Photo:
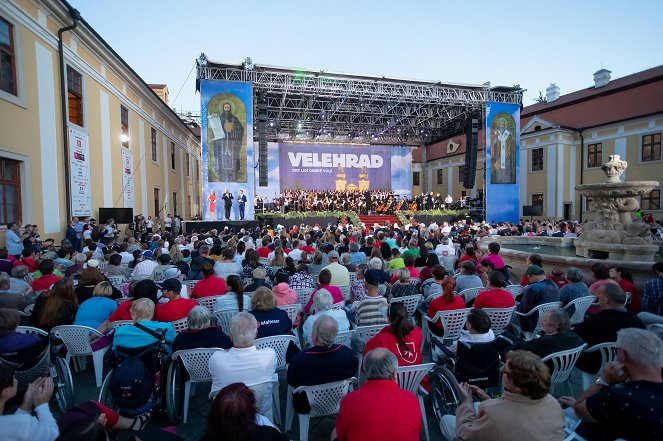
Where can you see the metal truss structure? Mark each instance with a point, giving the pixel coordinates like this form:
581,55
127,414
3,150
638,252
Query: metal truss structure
318,106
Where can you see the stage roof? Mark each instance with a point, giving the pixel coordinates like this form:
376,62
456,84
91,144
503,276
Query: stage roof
303,105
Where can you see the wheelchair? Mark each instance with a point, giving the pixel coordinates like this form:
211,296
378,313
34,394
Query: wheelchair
167,393
474,363
40,360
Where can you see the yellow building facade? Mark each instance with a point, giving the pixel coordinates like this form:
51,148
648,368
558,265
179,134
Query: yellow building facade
140,154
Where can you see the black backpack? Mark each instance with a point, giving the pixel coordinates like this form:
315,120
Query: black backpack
131,383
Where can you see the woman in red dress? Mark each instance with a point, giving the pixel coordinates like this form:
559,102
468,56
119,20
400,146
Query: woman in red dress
212,204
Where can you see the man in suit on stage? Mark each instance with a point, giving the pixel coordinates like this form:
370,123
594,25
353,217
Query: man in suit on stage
227,202
242,203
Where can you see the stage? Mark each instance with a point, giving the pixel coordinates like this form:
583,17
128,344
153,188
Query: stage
190,227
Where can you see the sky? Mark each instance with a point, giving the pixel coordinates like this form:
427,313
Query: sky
511,42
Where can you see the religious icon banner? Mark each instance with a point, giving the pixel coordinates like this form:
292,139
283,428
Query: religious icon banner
502,162
227,149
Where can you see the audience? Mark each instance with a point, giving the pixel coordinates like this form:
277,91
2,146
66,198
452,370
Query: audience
324,279
539,291
557,335
210,285
624,279
97,309
322,304
199,333
467,278
446,302
55,307
575,288
10,340
271,320
652,297
496,296
142,313
47,278
400,337
235,299
177,307
371,310
257,280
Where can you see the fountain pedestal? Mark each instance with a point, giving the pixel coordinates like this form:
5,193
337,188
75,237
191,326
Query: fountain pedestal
613,234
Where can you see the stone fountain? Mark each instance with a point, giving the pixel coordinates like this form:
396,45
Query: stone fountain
613,234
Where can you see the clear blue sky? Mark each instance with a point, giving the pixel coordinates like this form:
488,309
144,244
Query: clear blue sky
467,41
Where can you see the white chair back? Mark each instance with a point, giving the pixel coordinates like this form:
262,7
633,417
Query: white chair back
180,325
563,362
338,305
345,290
382,289
452,322
516,290
540,310
267,398
119,323
279,343
292,311
365,333
470,294
31,330
581,305
222,319
208,302
117,281
325,399
303,294
76,338
263,260
196,362
499,318
344,338
409,377
353,276
410,302
608,353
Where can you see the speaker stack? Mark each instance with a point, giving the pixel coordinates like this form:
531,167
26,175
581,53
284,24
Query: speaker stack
471,147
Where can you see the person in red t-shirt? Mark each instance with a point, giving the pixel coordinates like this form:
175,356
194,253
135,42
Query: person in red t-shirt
210,285
47,279
177,307
446,302
264,251
144,289
532,259
409,264
469,254
625,280
495,297
400,337
557,275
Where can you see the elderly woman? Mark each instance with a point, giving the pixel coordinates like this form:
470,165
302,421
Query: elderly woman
200,334
96,310
78,266
142,312
258,280
271,320
227,264
210,285
402,287
322,304
576,288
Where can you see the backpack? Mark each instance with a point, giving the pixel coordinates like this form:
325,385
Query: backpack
131,383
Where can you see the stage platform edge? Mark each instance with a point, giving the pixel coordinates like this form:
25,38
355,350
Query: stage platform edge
202,226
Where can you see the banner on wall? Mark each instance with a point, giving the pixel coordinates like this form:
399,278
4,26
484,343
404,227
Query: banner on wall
127,178
227,149
79,168
502,158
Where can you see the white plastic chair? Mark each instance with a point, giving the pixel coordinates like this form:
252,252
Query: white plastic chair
196,363
180,325
353,277
293,313
263,260
345,290
410,302
608,353
382,289
581,305
344,338
279,343
338,305
470,294
77,340
222,319
499,318
416,281
31,330
364,334
208,302
515,290
27,312
189,284
268,399
324,399
452,323
409,378
303,294
541,310
119,323
563,362
117,281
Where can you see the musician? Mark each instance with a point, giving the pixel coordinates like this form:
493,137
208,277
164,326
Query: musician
429,201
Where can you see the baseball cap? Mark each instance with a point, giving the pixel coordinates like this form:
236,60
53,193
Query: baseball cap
147,253
333,255
534,270
164,258
170,285
373,276
172,273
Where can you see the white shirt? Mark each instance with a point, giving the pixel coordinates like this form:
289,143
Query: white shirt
143,270
337,314
242,365
228,302
339,274
168,222
126,256
296,254
23,426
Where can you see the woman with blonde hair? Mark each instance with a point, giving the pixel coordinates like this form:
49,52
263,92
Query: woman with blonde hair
96,310
271,320
279,258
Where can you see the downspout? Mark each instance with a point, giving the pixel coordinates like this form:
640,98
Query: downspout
582,167
76,16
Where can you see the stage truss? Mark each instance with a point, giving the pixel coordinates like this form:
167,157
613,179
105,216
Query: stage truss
319,106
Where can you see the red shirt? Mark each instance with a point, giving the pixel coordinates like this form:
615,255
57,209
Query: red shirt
386,339
440,304
466,257
636,300
209,286
524,281
29,262
308,249
263,251
560,281
123,312
379,410
413,273
495,298
175,309
426,273
45,282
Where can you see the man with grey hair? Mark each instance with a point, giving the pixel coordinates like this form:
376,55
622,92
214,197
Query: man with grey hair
200,334
575,288
243,363
627,400
339,273
321,363
356,257
379,410
346,261
197,262
557,335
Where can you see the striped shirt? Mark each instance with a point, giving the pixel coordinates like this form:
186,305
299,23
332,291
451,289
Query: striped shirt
371,311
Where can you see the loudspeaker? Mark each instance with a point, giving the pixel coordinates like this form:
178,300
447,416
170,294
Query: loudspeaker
471,147
262,142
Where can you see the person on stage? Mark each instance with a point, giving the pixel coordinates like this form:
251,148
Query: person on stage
227,202
211,199
242,203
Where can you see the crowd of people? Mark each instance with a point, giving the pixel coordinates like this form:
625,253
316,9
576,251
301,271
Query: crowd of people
353,276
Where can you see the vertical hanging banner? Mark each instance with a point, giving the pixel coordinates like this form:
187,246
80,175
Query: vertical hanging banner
401,171
227,150
502,158
79,174
127,178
